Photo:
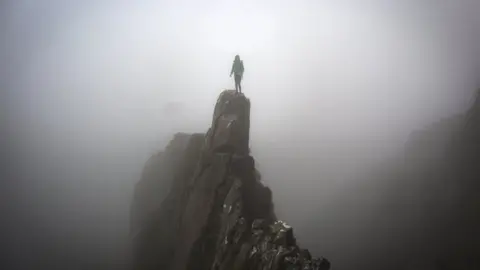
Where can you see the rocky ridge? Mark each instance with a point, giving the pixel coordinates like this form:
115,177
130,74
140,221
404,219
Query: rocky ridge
217,214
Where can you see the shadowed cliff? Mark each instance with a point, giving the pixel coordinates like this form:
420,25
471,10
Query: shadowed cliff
417,211
217,214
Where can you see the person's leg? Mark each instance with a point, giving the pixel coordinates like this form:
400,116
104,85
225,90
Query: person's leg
237,82
240,83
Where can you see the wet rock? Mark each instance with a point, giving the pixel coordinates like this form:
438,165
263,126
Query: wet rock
218,215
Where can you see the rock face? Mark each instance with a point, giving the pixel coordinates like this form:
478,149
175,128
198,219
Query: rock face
417,211
217,214
156,199
448,183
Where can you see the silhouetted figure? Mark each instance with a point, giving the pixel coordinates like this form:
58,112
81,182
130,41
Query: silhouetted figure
237,69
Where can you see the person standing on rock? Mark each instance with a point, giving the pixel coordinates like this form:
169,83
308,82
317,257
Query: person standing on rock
237,69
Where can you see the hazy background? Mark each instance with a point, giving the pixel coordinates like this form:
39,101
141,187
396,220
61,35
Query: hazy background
90,89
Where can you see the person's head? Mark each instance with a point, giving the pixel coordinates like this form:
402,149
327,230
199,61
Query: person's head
237,57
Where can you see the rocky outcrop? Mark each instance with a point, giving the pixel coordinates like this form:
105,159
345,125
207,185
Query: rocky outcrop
419,210
217,214
156,201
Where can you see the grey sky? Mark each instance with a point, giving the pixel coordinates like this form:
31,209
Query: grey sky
101,85
103,66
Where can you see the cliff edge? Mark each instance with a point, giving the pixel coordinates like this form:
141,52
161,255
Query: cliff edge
216,213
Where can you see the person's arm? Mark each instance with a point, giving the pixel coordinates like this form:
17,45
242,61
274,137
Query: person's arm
243,68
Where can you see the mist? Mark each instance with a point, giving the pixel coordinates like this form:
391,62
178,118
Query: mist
92,89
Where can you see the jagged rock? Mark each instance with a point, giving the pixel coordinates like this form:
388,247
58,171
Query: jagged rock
427,203
218,215
157,197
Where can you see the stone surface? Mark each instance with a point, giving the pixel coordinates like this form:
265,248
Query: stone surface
217,214
157,199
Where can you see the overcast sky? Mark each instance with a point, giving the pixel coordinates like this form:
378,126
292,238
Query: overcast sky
98,86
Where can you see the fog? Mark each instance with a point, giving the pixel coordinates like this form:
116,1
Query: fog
93,88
